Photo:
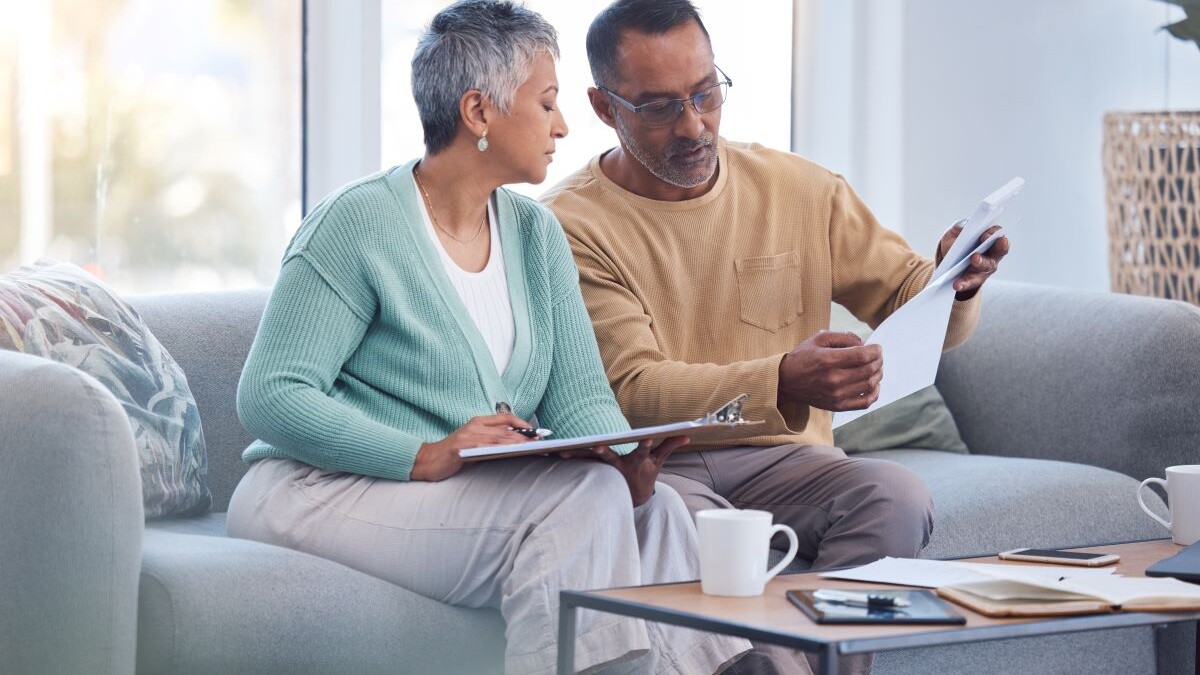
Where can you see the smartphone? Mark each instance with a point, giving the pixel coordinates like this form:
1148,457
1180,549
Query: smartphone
1060,557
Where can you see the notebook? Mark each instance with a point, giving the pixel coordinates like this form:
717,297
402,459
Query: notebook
1093,594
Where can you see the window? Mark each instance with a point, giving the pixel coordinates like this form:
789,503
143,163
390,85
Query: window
758,109
155,143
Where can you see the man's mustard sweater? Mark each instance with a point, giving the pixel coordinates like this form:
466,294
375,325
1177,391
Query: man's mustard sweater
697,301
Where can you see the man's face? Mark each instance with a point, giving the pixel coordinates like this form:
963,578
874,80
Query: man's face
672,65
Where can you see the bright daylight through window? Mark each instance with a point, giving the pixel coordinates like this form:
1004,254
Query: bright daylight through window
157,144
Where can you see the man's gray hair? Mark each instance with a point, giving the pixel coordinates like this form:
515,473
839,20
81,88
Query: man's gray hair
489,45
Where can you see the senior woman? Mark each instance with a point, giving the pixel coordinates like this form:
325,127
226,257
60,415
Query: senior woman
410,305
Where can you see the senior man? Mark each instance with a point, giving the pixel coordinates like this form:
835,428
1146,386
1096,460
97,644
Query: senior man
708,268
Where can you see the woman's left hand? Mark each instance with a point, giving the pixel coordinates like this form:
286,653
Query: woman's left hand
640,468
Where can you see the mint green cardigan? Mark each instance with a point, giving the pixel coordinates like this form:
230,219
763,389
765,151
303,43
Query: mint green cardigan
365,350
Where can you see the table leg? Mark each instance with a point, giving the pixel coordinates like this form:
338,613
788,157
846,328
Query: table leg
566,637
1196,656
829,660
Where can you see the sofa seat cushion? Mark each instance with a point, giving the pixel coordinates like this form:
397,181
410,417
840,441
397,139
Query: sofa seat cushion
212,524
985,504
219,605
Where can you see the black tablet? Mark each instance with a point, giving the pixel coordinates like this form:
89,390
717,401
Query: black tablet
923,607
1184,565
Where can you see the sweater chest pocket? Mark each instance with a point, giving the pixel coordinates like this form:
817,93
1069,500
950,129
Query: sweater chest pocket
769,290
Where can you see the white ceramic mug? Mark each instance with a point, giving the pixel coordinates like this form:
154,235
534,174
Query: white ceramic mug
734,545
1183,499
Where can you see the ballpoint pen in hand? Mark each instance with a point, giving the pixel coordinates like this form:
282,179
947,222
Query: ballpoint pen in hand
859,599
528,432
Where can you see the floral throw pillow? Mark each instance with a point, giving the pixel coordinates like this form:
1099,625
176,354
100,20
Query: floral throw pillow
60,312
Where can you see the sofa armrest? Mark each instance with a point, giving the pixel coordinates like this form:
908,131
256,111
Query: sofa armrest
1097,378
71,521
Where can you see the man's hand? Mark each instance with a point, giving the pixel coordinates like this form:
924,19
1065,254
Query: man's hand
640,467
832,371
440,460
982,265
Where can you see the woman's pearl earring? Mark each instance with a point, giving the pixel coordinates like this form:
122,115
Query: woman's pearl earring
483,142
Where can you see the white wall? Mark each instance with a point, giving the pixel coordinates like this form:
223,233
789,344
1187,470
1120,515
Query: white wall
987,91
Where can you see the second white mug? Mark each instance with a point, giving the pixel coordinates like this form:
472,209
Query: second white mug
1183,499
734,545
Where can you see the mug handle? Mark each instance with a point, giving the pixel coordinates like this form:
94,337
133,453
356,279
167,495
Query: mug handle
793,549
1142,502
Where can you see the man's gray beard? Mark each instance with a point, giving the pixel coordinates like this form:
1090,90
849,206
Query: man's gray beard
662,170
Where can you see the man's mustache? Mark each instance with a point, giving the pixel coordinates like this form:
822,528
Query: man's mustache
684,147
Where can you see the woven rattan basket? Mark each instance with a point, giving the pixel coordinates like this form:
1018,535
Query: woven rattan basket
1152,176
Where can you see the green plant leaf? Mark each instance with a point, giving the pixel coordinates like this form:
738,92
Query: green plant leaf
1188,29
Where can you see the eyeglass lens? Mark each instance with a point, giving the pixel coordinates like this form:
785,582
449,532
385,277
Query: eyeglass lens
704,102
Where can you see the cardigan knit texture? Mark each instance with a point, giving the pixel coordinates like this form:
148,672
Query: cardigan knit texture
366,351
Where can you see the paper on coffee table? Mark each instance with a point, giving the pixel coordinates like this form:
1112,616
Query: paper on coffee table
939,573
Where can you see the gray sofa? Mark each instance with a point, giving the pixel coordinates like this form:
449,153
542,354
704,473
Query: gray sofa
1063,397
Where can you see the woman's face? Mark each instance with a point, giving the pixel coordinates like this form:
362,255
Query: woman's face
522,142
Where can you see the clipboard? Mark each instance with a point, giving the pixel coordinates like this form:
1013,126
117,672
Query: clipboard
725,418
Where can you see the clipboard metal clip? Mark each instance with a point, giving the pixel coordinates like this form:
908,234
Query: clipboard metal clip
730,413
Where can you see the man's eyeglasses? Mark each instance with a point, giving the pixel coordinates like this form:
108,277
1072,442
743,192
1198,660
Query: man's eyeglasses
664,112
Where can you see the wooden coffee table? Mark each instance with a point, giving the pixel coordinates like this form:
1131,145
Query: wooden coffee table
772,619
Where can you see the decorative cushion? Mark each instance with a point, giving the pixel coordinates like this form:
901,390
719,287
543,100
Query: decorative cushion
60,312
920,420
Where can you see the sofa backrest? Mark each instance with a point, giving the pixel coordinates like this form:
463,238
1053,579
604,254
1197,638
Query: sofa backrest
209,335
1098,378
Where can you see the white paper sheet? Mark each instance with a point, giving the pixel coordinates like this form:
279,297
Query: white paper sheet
986,215
912,337
908,572
938,573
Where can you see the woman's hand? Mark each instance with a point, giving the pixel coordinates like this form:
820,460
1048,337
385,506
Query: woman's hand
640,467
440,460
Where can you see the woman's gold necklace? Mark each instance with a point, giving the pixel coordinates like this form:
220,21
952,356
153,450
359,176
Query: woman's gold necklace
433,216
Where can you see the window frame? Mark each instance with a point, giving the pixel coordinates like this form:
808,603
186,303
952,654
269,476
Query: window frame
340,113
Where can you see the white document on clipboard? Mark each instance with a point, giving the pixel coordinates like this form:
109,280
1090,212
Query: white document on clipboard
912,337
727,417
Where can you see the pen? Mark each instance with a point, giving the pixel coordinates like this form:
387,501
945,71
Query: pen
859,599
530,432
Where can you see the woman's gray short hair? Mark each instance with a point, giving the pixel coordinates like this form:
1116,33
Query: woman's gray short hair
487,45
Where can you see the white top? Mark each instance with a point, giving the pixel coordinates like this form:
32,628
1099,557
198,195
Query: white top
485,293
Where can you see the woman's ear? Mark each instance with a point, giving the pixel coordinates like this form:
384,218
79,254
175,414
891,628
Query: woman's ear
476,111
